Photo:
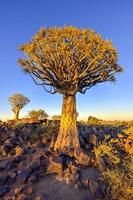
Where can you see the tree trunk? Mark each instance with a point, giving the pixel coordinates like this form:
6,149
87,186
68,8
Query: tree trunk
16,115
67,140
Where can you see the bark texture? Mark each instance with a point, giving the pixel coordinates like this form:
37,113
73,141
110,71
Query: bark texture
16,115
67,140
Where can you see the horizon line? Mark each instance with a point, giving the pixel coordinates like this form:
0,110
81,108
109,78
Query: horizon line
79,118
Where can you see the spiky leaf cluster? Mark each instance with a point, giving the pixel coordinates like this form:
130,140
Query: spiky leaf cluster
18,101
69,59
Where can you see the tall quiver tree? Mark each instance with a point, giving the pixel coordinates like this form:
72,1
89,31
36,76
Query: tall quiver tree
69,60
18,101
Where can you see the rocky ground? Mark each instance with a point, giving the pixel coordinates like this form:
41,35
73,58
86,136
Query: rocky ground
30,170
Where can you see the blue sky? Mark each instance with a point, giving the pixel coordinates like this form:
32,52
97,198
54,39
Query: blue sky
20,20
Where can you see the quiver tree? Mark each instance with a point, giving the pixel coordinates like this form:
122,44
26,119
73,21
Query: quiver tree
18,101
69,60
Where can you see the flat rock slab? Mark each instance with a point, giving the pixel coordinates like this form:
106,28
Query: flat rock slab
53,189
90,173
4,190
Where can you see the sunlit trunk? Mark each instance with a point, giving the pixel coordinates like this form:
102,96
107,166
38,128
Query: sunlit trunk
16,115
67,140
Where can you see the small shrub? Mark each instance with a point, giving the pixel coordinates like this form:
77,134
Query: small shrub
129,130
94,121
19,125
119,181
107,150
128,164
56,117
36,115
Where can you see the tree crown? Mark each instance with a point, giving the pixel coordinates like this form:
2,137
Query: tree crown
69,59
18,101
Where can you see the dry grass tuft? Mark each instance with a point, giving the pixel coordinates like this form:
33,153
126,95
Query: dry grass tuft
119,181
108,151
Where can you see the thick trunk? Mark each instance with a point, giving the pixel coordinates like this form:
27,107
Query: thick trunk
67,140
16,115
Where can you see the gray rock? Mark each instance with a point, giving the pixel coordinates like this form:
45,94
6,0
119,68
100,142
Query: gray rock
23,175
93,139
7,148
4,190
94,186
6,164
33,178
101,164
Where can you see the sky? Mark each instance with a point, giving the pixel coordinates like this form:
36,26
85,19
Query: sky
20,20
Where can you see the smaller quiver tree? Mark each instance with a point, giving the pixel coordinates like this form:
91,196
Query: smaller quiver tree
18,101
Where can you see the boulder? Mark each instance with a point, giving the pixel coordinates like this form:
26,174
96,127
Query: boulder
29,190
7,148
24,197
42,197
40,145
48,154
4,190
93,186
82,143
31,150
35,166
71,174
4,178
23,175
55,165
82,158
101,164
43,161
88,147
85,182
12,174
92,139
6,164
33,178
